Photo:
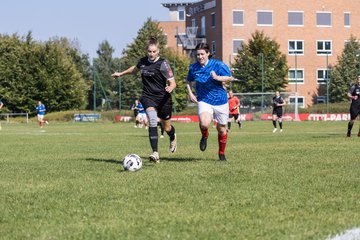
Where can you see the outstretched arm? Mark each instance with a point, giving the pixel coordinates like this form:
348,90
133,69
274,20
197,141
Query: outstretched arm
130,70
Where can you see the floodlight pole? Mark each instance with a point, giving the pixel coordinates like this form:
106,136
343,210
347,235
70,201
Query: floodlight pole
94,93
119,94
296,91
262,82
358,54
174,91
327,82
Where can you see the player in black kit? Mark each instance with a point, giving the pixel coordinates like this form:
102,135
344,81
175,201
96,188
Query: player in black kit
354,95
278,103
158,83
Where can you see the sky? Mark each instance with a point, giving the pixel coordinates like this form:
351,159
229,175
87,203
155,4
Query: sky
88,21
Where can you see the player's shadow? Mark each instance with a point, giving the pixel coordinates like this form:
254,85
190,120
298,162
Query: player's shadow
104,160
178,159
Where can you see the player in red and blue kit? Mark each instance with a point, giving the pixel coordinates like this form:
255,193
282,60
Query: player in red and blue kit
209,76
40,108
141,116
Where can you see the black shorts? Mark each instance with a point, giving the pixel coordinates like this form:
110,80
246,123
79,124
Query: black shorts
236,116
278,112
354,111
163,105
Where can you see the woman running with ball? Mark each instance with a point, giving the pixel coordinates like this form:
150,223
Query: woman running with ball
158,83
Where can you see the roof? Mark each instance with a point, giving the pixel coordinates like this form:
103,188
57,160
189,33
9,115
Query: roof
167,5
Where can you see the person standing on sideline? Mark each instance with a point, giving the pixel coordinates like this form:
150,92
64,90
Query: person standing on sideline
278,103
40,108
158,83
136,112
354,95
209,75
234,107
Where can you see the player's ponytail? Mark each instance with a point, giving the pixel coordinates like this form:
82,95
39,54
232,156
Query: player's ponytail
153,41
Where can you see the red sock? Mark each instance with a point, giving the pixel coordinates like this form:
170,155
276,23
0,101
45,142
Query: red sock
222,143
204,132
40,123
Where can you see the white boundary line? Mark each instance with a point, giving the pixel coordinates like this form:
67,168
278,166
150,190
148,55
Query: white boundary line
352,234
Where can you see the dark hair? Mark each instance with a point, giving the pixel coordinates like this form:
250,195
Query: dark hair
203,46
153,41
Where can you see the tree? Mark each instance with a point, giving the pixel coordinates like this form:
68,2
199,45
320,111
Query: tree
34,71
345,71
103,67
248,65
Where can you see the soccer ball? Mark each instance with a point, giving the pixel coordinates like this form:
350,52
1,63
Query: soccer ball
132,162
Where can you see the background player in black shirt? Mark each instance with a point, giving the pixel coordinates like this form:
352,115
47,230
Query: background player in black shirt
158,83
278,103
354,95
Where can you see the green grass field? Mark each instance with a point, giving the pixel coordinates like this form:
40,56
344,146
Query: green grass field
67,182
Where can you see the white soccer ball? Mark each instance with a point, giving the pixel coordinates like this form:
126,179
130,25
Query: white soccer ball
132,162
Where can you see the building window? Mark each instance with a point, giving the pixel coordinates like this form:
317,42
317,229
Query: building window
193,22
323,47
296,47
213,47
347,19
237,45
323,19
292,100
202,29
182,15
321,99
238,17
264,18
213,20
323,76
296,18
296,76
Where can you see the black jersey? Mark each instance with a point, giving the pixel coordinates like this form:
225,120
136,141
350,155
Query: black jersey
355,91
277,100
154,77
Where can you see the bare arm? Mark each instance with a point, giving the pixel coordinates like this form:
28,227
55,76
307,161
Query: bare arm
171,85
192,96
130,70
221,78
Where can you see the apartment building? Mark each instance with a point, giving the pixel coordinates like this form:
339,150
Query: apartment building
311,33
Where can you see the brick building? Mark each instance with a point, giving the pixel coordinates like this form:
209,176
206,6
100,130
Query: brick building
311,33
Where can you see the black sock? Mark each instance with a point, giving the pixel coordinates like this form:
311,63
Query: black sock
171,133
162,128
280,124
350,126
229,125
274,123
153,136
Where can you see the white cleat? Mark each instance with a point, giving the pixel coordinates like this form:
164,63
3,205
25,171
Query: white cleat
281,130
173,146
154,157
275,129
